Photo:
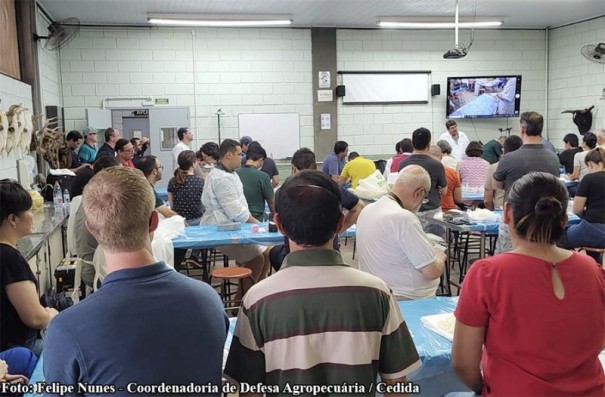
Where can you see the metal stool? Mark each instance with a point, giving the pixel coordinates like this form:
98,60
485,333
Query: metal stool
229,276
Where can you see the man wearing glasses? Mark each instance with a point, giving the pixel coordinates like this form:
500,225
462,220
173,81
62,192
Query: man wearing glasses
391,243
421,142
125,152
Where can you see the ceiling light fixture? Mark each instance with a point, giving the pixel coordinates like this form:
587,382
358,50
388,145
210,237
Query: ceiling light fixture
438,22
218,20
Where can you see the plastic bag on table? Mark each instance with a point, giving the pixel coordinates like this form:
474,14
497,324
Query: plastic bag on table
373,187
161,245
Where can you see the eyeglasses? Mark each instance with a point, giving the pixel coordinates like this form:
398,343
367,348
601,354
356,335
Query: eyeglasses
161,167
425,200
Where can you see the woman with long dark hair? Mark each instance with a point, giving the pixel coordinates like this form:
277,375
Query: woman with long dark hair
185,189
21,315
532,321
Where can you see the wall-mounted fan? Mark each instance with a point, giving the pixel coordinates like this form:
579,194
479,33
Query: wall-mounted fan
60,33
595,53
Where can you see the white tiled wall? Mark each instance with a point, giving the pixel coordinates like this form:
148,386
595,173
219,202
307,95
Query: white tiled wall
575,82
376,129
12,92
235,70
48,61
269,71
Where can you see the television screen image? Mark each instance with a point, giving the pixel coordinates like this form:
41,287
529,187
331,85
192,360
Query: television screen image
483,97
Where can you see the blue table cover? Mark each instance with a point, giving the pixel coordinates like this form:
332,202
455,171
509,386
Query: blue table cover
484,105
208,236
162,192
492,226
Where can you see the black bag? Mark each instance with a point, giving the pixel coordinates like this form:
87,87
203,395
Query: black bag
65,181
56,300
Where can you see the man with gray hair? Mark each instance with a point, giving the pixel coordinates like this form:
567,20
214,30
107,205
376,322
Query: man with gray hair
391,243
117,337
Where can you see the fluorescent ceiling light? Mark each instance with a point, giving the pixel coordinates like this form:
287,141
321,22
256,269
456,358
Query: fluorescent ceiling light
437,23
218,20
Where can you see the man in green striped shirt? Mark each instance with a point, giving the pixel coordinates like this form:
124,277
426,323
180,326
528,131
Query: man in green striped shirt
318,322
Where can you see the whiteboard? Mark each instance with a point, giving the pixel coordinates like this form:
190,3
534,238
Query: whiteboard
278,133
385,87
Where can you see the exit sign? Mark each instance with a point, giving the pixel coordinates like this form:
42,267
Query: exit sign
161,101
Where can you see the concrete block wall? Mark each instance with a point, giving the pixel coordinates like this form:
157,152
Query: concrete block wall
49,64
12,92
235,70
574,82
374,129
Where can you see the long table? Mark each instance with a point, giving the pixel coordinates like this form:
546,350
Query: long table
435,377
208,236
482,227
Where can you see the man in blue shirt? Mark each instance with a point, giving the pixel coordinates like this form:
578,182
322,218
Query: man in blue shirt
335,162
147,324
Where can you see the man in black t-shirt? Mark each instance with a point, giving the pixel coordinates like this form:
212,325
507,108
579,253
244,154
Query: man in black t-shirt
571,148
421,141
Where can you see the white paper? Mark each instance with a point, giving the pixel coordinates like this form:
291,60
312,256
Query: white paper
326,121
324,96
324,79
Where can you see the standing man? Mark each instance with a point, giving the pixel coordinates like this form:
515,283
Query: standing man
140,146
531,157
152,169
421,141
88,149
335,161
256,184
224,200
391,243
72,142
337,324
493,150
125,152
117,336
111,137
494,198
506,98
185,137
457,140
245,141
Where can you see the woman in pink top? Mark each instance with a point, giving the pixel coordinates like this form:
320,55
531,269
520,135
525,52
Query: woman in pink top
531,322
473,169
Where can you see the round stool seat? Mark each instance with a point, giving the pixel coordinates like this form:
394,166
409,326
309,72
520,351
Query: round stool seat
232,273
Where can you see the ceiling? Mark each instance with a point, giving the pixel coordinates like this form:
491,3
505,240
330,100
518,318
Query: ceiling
536,14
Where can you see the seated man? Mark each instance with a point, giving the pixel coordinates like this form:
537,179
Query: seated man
391,243
86,244
224,200
72,142
357,168
147,324
318,321
152,169
257,185
304,159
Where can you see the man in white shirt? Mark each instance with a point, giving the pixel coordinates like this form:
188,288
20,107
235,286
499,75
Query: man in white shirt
185,137
224,200
391,243
457,140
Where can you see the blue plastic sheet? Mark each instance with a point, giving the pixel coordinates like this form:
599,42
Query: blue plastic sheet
434,350
208,236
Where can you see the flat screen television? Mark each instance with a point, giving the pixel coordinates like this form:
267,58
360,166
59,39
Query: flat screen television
483,96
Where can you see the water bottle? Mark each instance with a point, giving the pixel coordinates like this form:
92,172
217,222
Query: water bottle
66,198
57,195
